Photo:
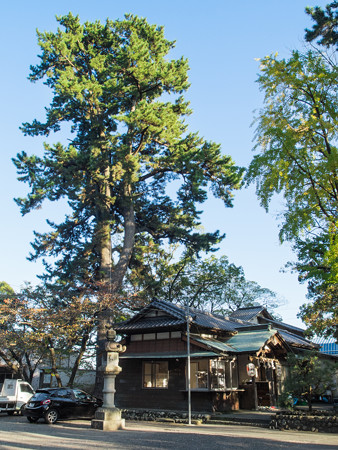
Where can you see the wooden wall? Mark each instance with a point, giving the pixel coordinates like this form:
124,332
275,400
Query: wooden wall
131,394
159,346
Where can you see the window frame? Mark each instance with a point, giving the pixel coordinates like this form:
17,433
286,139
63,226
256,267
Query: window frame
154,374
197,373
218,374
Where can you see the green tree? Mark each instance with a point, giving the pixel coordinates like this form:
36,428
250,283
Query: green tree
309,375
6,290
298,158
212,284
326,24
113,83
20,347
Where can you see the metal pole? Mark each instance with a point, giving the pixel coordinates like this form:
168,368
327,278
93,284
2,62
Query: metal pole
254,385
188,364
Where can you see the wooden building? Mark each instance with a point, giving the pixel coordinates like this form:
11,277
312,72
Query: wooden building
224,353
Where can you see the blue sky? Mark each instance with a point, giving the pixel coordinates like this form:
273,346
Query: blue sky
221,40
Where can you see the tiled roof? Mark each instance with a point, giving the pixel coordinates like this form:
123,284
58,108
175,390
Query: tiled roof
246,340
247,313
201,318
170,308
208,320
296,341
177,315
148,323
282,325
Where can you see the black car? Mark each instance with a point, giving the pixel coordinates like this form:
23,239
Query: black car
52,404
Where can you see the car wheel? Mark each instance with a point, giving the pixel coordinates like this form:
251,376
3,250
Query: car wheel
10,413
32,419
51,416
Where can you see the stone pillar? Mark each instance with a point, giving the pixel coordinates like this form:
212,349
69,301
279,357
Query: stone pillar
108,417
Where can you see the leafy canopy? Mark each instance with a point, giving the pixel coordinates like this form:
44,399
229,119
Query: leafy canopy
122,96
326,24
296,136
212,283
298,158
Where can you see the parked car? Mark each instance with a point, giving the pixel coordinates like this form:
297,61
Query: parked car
14,394
53,404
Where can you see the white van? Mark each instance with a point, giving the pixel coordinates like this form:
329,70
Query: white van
14,394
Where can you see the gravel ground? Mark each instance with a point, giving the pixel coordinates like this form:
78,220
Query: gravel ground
16,433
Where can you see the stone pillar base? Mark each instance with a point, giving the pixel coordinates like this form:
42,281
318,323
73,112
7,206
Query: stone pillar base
108,419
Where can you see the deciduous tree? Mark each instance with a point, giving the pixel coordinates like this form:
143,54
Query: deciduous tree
39,327
298,158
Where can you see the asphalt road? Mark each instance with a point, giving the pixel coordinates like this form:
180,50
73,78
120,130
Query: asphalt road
16,433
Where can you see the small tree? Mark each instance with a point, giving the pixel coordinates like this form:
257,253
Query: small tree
309,375
20,347
37,325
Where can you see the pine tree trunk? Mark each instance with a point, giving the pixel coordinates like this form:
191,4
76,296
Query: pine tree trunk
111,282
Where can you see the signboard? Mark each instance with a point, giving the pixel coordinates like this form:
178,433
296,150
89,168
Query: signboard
251,369
279,370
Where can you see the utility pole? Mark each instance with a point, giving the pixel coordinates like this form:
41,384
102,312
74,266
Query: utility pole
188,362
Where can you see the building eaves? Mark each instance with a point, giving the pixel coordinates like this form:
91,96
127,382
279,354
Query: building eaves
219,346
168,355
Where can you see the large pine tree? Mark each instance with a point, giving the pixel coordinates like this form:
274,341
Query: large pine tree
122,96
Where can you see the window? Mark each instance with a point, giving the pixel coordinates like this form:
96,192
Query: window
153,336
155,374
175,334
218,374
80,395
64,393
199,374
136,337
231,374
26,388
164,335
149,336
